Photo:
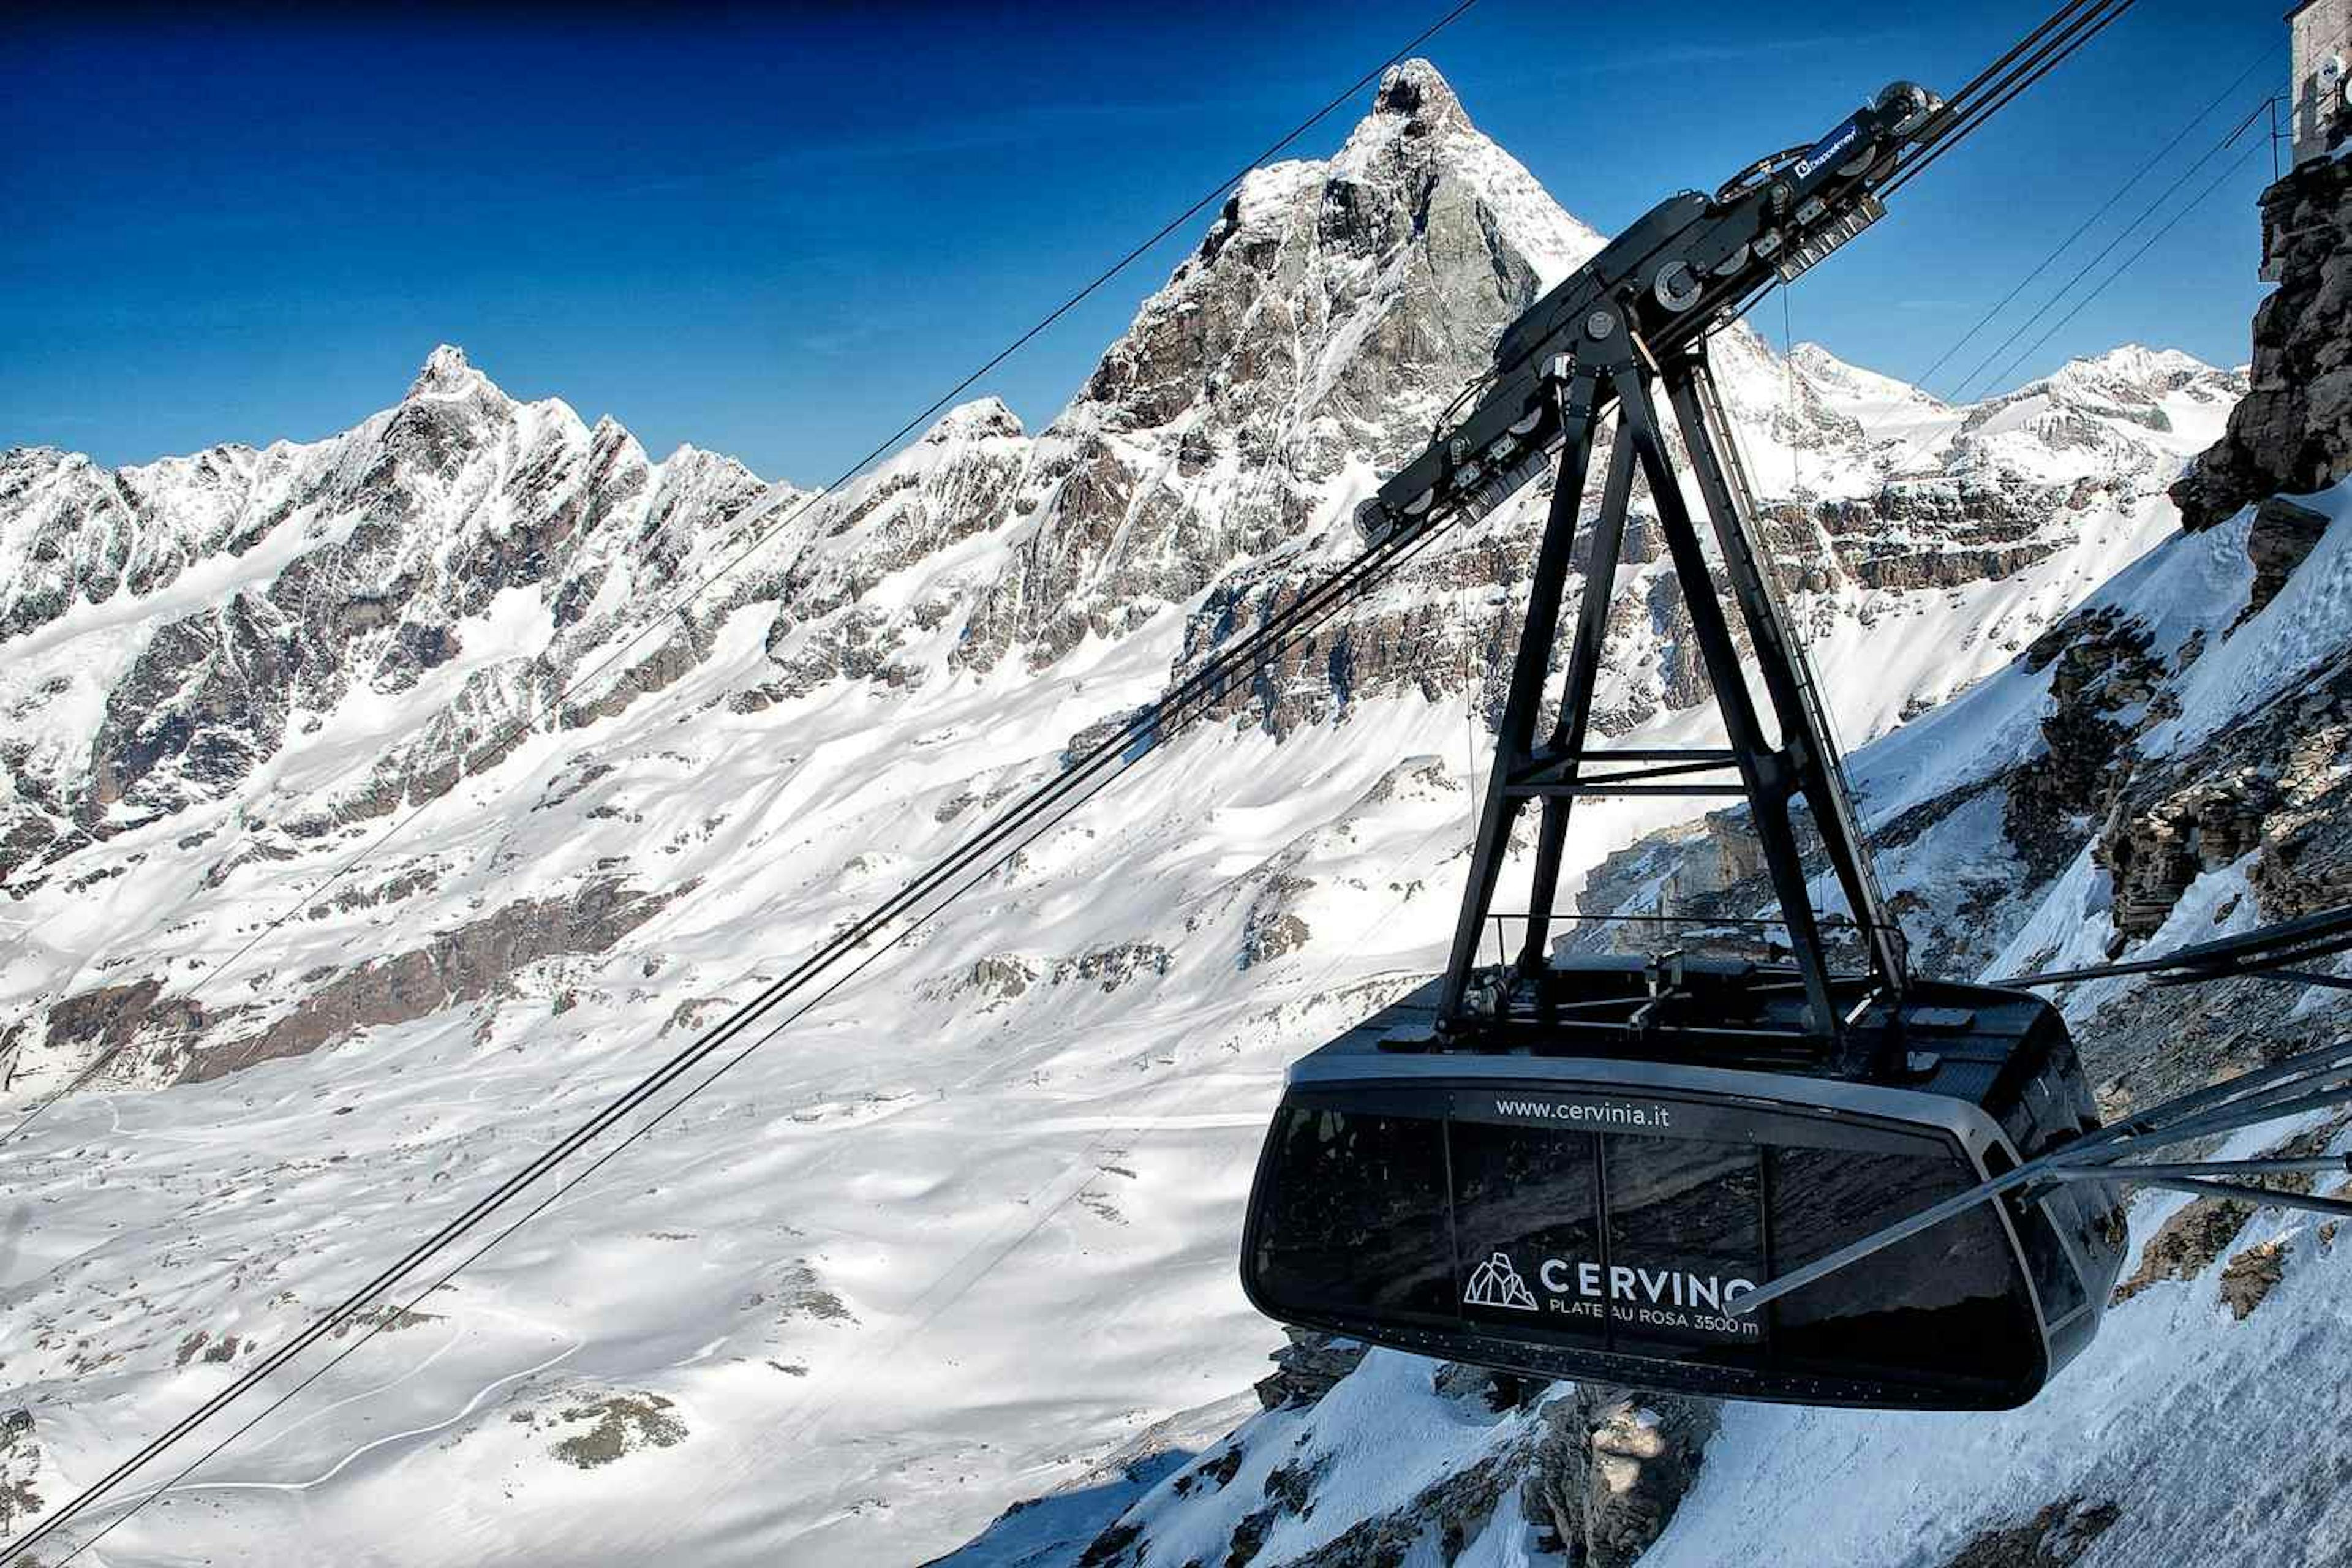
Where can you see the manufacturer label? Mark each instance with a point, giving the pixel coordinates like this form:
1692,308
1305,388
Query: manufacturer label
1830,149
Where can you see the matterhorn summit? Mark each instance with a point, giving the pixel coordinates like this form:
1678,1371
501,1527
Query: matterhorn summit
446,374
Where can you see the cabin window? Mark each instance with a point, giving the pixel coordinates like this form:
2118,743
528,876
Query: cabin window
1948,1300
1528,1227
1356,1220
2056,1277
1685,1230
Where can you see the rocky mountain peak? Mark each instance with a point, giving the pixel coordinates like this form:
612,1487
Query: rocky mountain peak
1414,92
446,374
2135,367
981,419
1417,130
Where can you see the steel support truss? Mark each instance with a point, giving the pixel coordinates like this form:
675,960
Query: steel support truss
1610,367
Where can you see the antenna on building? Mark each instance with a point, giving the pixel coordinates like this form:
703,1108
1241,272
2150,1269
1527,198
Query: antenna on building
2322,32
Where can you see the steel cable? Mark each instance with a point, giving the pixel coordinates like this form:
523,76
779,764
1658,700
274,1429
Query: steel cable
2059,49
2087,223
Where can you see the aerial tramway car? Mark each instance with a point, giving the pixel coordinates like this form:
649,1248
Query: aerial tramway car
1573,1203
1814,1178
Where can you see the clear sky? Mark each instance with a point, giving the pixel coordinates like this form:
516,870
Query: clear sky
778,232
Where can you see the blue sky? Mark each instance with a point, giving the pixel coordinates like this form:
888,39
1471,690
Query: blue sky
779,233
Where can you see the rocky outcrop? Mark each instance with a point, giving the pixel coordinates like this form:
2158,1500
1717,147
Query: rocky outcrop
602,1428
2248,1278
2155,854
2186,1245
20,1466
2057,1537
2101,681
2294,430
1597,1470
2270,786
101,1024
1614,1466
458,967
1109,968
1448,1514
1307,1368
2282,539
1273,927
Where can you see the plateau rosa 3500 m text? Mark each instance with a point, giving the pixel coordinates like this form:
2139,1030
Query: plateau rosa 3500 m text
1682,1299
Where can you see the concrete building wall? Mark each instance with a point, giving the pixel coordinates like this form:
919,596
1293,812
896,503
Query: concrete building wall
2323,47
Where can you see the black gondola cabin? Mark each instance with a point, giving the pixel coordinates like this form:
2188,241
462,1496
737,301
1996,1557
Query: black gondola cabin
1592,1217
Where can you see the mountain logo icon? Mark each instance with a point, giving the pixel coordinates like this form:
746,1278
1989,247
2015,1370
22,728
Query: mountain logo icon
1495,1283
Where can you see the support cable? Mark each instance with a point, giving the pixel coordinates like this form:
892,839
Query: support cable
2292,1087
1959,126
2105,251
2319,935
1958,102
2087,223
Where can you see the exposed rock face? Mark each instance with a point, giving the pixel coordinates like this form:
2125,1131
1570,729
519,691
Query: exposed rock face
2272,785
2248,1278
1113,967
462,966
350,564
1448,1513
1614,1466
20,1465
2281,540
2057,1537
2186,1245
1307,1367
2294,431
2099,671
2155,854
1273,929
1330,312
1596,1471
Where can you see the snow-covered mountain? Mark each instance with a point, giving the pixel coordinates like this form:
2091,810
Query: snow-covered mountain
966,1232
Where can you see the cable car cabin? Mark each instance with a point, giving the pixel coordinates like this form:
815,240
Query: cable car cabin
1554,1205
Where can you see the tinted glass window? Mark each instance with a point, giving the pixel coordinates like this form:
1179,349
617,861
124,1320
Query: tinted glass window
1528,1227
2054,1276
1686,1227
1354,1216
1948,1300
